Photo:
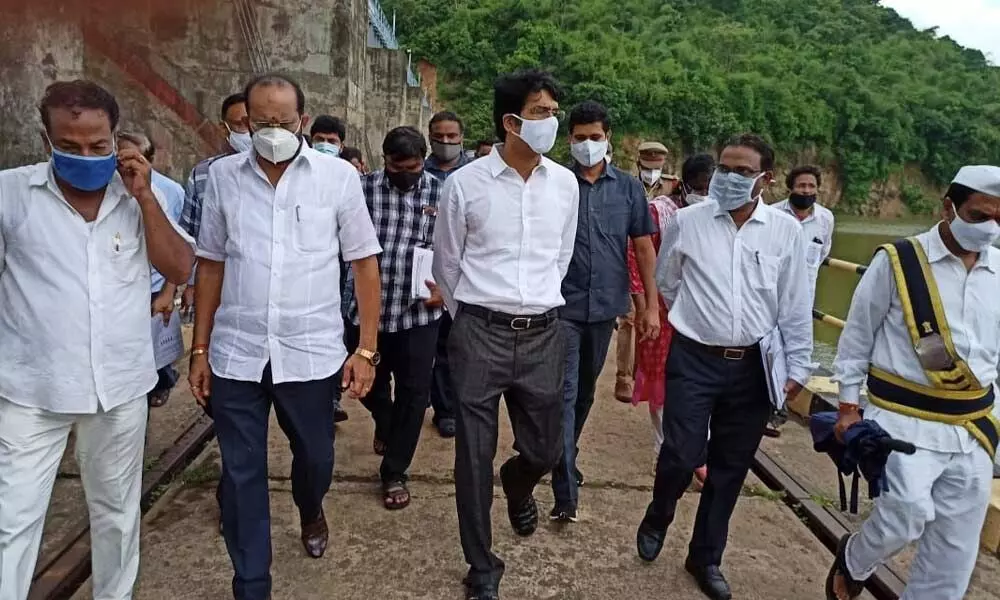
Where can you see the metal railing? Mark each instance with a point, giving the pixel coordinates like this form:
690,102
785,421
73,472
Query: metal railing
382,34
246,16
841,265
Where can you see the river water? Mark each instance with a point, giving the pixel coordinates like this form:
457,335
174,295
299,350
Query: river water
854,240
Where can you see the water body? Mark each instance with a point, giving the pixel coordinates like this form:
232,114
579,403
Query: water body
854,240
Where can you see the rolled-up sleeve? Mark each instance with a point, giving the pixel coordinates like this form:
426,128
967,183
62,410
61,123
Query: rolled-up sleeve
354,223
869,307
449,242
795,310
669,262
212,235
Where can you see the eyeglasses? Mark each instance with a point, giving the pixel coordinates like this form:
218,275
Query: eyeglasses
744,171
292,126
540,112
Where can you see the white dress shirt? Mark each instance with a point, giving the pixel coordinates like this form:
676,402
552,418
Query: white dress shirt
876,334
730,287
818,228
504,243
74,297
281,248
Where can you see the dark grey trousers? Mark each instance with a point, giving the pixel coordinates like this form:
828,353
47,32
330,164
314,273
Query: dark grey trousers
526,367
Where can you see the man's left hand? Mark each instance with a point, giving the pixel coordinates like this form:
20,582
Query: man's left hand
358,376
436,298
649,327
163,304
792,389
136,172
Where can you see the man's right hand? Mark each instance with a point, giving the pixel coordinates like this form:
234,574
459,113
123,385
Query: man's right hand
848,416
187,299
200,378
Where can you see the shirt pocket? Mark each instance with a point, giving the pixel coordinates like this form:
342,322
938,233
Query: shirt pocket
762,270
126,261
313,228
613,221
814,254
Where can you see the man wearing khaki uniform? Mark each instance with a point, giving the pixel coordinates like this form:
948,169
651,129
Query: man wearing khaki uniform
651,164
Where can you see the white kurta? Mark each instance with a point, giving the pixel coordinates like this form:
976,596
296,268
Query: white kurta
940,494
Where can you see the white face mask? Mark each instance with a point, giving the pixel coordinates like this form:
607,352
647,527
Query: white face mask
238,141
650,176
588,152
732,190
277,144
695,198
539,135
327,148
975,237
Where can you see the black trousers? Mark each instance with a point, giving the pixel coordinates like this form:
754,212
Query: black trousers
398,398
527,368
703,388
442,394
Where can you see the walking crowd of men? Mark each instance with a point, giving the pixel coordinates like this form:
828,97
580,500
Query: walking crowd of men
452,279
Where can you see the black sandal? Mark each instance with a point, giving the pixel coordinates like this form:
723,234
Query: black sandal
839,568
379,447
395,496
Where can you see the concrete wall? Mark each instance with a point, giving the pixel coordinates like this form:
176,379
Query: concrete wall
171,62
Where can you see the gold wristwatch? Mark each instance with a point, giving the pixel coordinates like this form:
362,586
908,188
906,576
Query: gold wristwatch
371,356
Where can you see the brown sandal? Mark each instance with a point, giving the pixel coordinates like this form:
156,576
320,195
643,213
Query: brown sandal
839,569
395,496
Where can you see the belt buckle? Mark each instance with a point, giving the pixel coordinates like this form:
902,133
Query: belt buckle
733,353
520,323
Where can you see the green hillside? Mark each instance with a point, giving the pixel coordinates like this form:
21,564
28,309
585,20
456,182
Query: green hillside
848,78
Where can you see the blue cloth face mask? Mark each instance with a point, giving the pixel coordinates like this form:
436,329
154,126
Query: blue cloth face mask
731,190
85,173
327,148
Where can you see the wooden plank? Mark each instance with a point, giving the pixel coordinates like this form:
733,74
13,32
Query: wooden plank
990,537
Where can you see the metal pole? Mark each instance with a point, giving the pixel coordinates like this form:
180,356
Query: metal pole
843,265
828,319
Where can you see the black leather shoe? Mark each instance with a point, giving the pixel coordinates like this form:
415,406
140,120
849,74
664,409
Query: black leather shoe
481,592
523,512
315,536
710,580
649,541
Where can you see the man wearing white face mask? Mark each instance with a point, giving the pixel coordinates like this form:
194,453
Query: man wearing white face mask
730,271
268,327
924,327
613,209
503,241
328,134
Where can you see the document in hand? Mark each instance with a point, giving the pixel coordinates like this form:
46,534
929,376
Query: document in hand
772,353
168,343
422,261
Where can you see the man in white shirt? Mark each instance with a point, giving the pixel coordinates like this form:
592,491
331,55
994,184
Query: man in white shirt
930,356
268,326
817,221
731,271
503,241
77,236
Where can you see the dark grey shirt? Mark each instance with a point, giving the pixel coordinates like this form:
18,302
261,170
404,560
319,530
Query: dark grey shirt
612,210
432,166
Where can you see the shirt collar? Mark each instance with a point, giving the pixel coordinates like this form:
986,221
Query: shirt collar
498,165
608,171
306,156
936,250
759,213
435,165
787,207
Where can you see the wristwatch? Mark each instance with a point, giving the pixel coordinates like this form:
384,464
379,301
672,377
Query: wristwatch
371,356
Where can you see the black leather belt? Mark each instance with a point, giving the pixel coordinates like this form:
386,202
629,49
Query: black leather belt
730,353
514,322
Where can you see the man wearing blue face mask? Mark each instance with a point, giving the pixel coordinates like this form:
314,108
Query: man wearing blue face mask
613,210
730,271
328,134
923,331
77,237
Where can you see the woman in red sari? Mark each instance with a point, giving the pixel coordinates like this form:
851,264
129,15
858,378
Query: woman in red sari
651,355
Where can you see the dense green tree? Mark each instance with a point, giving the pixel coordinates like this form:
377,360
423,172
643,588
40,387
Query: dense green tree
849,79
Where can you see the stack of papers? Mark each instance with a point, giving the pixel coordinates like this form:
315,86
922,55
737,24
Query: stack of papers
423,259
772,353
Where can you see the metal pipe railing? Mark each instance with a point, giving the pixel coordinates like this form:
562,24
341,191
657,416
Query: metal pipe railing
843,265
828,319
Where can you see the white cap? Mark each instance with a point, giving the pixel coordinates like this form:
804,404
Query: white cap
982,178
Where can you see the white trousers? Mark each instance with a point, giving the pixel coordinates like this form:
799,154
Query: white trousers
939,500
109,449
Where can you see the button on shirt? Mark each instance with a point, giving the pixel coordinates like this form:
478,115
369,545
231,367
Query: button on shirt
74,297
504,243
281,248
173,195
876,334
612,210
730,287
818,228
403,221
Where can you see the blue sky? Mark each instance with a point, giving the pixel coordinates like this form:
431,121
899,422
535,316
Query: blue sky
971,23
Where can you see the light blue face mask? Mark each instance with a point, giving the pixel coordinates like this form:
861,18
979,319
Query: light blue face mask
731,190
327,148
